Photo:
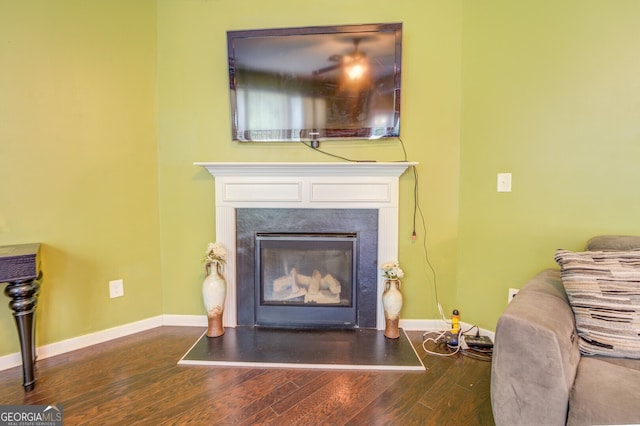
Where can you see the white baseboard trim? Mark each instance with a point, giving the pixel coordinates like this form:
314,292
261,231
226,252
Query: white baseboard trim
422,324
185,320
68,345
437,325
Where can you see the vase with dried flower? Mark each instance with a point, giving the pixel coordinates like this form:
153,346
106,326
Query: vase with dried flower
392,298
214,288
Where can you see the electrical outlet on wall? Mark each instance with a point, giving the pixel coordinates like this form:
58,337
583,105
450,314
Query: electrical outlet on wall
512,294
116,288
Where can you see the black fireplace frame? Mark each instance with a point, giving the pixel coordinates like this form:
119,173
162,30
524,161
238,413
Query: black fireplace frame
362,222
301,314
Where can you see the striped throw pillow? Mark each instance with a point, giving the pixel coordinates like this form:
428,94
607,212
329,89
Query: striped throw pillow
604,293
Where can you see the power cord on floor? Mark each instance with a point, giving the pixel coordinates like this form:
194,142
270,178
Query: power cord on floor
452,344
439,341
480,354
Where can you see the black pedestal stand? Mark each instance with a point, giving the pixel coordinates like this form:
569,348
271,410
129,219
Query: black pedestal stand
24,298
20,269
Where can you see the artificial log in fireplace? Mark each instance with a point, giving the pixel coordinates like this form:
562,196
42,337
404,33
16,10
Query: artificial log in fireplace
311,268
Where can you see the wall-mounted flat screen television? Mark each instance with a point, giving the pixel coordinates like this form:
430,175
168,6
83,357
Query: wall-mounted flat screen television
315,83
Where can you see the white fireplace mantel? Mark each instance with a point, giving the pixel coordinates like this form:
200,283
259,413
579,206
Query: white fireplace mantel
366,185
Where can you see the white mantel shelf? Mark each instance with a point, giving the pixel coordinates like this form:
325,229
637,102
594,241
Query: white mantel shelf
371,185
362,168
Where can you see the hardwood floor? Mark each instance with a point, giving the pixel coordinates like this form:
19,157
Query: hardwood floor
135,380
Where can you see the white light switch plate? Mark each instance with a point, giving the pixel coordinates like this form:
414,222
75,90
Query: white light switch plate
504,182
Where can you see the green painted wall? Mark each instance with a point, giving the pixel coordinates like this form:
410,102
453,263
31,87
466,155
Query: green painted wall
551,93
78,159
194,125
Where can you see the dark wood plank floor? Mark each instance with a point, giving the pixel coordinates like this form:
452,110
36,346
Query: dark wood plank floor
135,380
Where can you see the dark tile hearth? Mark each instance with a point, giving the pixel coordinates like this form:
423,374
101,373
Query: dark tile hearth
358,348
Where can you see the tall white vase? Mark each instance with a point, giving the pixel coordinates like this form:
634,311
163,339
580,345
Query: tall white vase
392,304
214,293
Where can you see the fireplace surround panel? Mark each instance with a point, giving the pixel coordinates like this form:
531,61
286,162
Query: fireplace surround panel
362,223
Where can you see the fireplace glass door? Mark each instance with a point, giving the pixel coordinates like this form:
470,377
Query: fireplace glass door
305,280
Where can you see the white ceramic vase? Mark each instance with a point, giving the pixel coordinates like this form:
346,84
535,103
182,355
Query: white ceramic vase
392,304
214,293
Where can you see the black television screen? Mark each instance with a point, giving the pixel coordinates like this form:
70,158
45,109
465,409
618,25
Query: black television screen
315,83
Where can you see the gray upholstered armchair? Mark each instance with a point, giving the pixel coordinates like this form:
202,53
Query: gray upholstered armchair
539,375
